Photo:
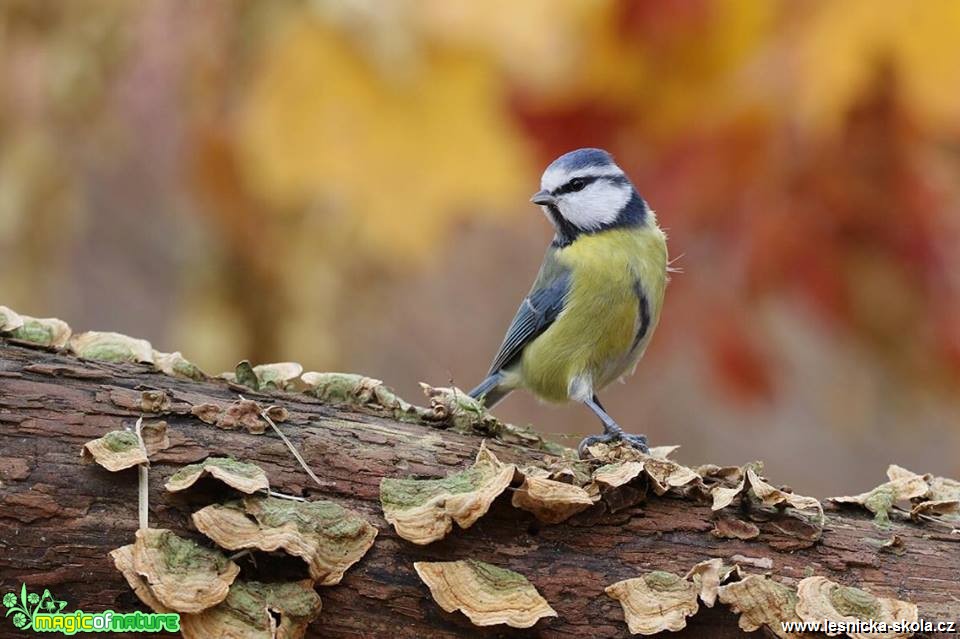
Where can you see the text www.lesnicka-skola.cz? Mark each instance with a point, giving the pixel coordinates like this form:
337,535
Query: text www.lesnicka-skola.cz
831,626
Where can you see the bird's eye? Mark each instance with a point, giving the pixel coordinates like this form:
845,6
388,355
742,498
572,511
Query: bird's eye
577,184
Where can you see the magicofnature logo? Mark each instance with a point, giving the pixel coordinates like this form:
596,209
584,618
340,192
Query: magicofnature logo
29,604
44,613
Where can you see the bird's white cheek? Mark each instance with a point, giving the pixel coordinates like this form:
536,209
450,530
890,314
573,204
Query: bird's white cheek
595,206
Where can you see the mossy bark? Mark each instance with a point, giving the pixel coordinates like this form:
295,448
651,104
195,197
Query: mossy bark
59,517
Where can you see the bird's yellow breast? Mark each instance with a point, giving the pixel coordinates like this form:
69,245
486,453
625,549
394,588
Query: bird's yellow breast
595,337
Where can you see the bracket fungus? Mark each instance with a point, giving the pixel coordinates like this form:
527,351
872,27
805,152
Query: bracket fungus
549,500
930,496
360,391
486,594
763,491
624,463
244,413
761,601
617,474
49,332
327,536
111,347
459,411
656,602
177,365
277,376
423,510
117,450
820,599
247,478
177,573
251,611
708,575
10,320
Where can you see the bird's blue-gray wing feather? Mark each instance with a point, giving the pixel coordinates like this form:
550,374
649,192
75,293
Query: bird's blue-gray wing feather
536,313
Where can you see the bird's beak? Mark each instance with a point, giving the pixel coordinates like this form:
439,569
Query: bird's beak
543,197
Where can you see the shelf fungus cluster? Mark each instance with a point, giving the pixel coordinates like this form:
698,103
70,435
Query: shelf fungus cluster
486,594
172,574
211,600
423,510
93,345
931,498
820,599
328,537
659,601
277,376
448,407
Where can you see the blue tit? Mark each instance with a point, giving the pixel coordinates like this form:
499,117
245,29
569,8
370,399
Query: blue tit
595,303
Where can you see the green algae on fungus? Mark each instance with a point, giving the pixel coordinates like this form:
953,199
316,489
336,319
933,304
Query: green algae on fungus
244,374
115,451
423,510
487,594
251,611
181,574
760,601
362,392
454,409
245,477
819,599
655,602
902,485
460,412
176,365
48,332
327,536
277,376
111,347
245,613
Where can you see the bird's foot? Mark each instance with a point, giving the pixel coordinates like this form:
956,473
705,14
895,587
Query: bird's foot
613,435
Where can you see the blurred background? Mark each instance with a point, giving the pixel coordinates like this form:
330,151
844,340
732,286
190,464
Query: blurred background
344,184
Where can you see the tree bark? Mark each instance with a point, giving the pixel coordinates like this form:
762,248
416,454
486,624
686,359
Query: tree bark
59,517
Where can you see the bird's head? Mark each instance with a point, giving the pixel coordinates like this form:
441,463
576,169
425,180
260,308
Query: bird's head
584,191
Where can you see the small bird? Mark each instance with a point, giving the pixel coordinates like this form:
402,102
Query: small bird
595,303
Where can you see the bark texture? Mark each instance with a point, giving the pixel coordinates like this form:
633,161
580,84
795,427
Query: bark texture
59,518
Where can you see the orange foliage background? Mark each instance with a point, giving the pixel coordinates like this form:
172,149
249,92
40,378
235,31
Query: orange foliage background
344,184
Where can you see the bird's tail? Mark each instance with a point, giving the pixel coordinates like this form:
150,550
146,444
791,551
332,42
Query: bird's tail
489,391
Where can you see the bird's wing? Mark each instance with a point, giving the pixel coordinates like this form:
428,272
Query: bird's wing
536,313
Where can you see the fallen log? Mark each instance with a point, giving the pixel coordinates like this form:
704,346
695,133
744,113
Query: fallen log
61,517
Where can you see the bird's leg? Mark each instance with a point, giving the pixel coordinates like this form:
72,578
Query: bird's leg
611,431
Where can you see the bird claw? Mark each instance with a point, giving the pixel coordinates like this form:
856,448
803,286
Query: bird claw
637,441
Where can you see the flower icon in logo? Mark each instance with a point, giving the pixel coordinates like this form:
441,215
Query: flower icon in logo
50,605
9,600
33,598
19,620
